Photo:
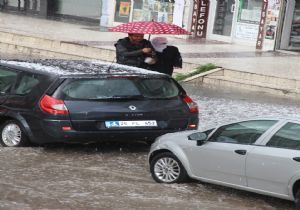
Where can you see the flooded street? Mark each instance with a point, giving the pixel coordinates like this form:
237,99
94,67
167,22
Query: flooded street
113,176
116,175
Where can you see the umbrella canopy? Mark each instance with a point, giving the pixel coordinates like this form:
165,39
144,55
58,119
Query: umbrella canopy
149,27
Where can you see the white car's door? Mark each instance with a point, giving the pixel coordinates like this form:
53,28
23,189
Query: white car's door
271,167
216,161
223,157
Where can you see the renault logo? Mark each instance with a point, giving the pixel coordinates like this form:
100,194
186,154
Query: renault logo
132,107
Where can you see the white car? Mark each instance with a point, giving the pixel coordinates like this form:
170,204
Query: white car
257,155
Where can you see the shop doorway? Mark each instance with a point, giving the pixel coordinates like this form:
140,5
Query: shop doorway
224,13
290,38
24,6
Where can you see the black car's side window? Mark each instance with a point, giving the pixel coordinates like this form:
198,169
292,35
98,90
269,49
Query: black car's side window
243,132
7,79
26,84
288,137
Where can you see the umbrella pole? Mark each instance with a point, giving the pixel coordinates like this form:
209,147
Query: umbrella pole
149,37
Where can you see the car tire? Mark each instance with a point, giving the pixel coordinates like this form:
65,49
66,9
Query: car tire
12,134
166,168
297,200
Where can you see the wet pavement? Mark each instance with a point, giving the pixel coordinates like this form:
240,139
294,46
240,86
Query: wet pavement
233,56
116,176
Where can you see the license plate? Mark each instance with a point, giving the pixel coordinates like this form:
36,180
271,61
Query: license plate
139,123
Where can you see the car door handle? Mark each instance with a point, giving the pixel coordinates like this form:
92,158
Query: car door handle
296,159
241,151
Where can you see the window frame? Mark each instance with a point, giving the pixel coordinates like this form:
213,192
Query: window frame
278,130
218,131
241,3
11,89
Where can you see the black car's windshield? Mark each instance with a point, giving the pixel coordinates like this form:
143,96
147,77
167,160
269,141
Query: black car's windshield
121,88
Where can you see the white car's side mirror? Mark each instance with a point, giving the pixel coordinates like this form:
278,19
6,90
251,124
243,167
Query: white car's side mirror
199,137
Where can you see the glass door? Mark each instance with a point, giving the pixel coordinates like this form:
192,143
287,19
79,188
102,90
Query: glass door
294,43
224,17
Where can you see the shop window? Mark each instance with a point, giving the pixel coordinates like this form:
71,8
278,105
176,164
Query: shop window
250,11
158,10
76,8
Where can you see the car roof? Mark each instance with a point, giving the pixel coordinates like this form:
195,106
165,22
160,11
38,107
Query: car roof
274,117
277,118
77,68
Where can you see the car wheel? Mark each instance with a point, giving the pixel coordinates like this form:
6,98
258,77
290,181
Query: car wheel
297,200
166,168
12,134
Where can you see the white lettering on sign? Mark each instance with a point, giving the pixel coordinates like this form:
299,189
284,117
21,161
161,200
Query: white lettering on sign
259,41
194,16
201,23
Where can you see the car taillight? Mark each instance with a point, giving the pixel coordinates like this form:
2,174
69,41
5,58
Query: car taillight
53,106
193,107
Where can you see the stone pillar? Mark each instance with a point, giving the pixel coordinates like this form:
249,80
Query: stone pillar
106,13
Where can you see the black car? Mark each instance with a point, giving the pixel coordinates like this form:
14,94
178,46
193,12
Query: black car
86,101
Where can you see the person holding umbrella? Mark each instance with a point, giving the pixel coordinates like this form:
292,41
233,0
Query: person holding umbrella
136,51
168,56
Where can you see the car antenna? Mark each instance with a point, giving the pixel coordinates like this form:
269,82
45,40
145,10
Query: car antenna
110,65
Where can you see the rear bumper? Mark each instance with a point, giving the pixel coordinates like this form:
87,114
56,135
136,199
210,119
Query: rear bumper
51,131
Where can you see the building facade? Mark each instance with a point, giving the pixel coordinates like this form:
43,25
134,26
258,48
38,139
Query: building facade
123,11
263,24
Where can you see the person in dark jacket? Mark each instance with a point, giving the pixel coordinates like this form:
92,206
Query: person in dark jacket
168,56
136,51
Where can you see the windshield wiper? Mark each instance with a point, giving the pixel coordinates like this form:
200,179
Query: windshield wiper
128,97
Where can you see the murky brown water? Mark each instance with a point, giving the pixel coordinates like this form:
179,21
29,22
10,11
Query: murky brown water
111,176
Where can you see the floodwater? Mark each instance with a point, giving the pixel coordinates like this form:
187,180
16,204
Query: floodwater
116,175
111,176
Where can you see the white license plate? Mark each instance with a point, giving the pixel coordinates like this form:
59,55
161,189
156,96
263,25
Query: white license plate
139,123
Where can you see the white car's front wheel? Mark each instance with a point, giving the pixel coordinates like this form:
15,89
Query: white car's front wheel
166,168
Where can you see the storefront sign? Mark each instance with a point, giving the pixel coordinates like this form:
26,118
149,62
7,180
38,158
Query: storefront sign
195,15
260,35
199,18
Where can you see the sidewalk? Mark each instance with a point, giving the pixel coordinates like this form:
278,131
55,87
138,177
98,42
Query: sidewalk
228,56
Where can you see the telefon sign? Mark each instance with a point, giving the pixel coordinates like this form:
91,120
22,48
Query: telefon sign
199,18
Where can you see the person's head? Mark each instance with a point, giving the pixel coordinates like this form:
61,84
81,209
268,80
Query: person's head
159,43
135,38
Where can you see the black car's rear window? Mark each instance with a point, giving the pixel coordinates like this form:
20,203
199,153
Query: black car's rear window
128,87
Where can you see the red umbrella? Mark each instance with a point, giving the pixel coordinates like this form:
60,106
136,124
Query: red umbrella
149,27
